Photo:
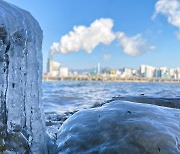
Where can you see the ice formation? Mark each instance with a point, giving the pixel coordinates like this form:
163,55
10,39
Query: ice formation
22,126
122,127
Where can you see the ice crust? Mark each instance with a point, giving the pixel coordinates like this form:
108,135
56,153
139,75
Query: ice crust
122,127
22,126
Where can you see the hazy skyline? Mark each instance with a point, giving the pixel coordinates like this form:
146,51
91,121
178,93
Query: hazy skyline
116,33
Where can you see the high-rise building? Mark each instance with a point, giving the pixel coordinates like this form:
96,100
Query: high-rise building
142,70
98,68
172,72
157,73
147,71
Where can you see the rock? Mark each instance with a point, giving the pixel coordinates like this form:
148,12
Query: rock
122,127
167,102
22,123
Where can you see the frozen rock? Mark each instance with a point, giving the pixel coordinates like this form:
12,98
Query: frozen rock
122,127
22,125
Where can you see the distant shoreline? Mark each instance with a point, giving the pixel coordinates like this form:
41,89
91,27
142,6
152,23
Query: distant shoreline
111,79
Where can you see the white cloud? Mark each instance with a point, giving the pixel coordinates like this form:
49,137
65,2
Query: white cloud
100,31
133,46
86,38
170,9
54,48
106,57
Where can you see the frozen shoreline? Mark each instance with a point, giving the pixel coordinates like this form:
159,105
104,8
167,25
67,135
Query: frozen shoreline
123,127
54,122
53,118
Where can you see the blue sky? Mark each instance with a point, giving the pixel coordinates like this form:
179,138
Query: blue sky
58,17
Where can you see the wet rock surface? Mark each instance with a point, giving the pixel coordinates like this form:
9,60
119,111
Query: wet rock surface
159,101
167,102
122,127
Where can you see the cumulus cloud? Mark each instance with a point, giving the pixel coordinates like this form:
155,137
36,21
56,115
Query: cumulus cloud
170,9
106,57
86,38
134,46
99,32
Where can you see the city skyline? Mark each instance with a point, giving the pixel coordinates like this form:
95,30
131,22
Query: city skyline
55,71
142,32
108,67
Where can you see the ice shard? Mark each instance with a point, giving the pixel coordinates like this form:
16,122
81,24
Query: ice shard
22,126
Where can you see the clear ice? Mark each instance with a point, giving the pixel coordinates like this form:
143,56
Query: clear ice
22,125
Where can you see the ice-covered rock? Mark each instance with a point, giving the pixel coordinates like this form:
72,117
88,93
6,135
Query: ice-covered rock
122,127
22,126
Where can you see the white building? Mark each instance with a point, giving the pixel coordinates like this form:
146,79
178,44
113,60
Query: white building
164,70
147,71
142,70
63,71
126,73
177,74
172,72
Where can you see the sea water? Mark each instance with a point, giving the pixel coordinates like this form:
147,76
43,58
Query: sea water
69,96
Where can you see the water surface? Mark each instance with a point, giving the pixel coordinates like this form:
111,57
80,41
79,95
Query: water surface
67,96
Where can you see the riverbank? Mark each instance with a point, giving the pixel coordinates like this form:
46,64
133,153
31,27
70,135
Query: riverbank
110,79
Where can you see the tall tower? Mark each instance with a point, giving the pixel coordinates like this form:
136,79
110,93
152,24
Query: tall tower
49,64
53,67
99,68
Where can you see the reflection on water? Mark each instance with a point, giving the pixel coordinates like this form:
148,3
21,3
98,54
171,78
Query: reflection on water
61,97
